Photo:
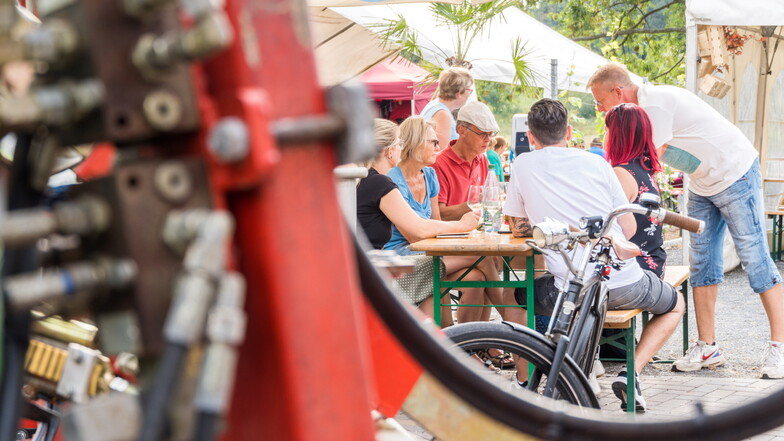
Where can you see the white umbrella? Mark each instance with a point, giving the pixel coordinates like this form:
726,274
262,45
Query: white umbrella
491,52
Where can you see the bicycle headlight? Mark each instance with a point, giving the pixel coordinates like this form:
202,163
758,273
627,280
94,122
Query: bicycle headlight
550,232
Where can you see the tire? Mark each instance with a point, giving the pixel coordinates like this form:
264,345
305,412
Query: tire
572,385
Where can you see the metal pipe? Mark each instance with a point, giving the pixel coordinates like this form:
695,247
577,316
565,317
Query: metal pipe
58,105
155,54
83,216
306,129
26,290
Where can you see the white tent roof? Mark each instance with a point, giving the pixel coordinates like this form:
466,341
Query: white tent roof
735,12
490,54
343,49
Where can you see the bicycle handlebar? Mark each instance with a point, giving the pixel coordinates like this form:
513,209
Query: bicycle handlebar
549,234
661,215
685,222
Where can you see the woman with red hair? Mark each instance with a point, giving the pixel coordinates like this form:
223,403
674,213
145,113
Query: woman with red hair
630,150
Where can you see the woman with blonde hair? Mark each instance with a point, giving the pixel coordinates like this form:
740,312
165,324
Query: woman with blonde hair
454,87
380,204
419,186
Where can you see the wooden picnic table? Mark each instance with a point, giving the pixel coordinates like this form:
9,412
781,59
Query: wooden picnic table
481,245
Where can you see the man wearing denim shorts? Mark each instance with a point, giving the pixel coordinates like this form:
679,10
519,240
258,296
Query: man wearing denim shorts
567,184
725,188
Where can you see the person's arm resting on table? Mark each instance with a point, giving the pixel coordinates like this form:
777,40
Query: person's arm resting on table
453,212
413,227
521,227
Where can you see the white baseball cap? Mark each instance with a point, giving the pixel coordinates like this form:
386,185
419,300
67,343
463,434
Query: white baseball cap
478,114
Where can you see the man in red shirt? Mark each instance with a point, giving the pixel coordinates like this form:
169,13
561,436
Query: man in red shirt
464,163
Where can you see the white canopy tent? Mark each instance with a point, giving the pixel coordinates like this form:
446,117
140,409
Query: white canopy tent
491,52
756,101
343,49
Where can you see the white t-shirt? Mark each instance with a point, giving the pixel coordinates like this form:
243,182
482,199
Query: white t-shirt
566,184
702,143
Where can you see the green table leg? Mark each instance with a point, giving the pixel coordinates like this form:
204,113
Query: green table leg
437,290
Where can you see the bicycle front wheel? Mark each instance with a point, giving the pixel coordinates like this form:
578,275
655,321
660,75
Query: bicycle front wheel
572,386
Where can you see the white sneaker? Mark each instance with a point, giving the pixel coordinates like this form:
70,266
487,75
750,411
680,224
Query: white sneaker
700,355
515,387
594,383
619,389
773,366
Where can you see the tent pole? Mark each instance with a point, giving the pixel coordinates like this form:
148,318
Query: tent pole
691,85
760,112
691,57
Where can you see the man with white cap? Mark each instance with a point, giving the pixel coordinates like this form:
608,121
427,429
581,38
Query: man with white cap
463,163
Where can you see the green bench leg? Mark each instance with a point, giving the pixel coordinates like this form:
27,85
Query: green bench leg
773,241
630,377
685,291
776,242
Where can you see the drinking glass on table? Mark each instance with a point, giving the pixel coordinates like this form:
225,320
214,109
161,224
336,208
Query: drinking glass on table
504,188
492,203
475,200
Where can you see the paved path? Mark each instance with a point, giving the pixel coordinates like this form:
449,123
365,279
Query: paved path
742,332
669,396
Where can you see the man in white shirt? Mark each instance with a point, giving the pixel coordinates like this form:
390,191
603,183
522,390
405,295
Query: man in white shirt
725,188
567,184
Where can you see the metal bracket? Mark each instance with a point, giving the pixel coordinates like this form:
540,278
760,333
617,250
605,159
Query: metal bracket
349,123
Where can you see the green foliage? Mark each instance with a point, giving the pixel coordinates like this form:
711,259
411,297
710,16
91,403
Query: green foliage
664,180
504,100
466,21
646,35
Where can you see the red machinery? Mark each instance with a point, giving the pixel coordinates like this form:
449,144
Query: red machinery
248,131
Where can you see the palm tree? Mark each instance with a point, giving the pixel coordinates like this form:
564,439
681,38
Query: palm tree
466,22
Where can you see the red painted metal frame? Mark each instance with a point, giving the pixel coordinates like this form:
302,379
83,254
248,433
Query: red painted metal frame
305,370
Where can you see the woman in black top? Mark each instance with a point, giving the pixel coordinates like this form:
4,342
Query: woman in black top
380,204
631,152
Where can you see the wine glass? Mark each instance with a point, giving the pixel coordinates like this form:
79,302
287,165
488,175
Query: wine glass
504,190
492,203
475,200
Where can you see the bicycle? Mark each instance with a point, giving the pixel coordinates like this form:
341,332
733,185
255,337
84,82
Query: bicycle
565,354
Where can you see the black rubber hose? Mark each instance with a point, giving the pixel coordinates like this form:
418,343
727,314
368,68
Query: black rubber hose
156,403
52,426
739,423
16,325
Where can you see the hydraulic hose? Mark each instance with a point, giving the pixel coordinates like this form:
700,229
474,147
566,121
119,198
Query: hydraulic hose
21,194
525,416
157,400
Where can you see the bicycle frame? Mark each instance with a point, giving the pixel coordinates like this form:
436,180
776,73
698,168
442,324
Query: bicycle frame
579,339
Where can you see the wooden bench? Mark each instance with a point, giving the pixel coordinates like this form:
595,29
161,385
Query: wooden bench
627,319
